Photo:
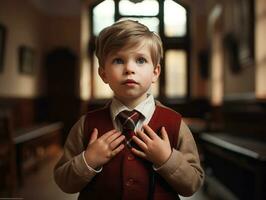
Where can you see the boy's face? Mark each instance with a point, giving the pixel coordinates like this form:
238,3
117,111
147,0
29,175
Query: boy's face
130,73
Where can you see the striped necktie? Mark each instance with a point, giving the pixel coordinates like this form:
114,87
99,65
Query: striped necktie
128,120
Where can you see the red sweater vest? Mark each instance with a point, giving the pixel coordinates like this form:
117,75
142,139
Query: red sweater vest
126,176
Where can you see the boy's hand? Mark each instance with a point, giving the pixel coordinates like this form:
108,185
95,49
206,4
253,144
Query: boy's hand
155,149
100,150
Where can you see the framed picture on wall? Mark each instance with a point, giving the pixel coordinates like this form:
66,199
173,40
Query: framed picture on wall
2,46
239,41
244,28
26,60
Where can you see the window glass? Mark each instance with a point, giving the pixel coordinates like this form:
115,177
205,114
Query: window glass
176,73
103,15
144,8
151,22
175,19
101,89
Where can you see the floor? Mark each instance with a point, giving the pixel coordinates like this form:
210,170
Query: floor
40,184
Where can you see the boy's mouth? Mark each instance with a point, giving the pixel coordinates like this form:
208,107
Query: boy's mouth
129,82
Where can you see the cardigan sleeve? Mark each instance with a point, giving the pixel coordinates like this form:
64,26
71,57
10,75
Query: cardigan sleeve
183,170
71,173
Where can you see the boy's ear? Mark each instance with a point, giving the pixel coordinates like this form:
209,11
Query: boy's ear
102,74
156,73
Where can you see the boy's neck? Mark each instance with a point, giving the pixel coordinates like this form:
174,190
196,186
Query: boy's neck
131,103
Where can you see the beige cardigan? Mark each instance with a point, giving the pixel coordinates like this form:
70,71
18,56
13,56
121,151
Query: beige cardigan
182,170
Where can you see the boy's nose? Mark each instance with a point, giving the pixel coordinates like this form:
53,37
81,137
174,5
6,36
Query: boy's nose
130,68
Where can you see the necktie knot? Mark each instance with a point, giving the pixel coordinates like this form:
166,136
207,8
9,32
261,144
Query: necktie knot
128,120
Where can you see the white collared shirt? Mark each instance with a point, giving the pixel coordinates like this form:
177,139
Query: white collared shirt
146,108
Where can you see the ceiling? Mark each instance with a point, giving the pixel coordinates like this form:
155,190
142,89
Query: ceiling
59,7
72,7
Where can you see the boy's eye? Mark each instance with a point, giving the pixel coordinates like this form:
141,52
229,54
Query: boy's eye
118,61
141,60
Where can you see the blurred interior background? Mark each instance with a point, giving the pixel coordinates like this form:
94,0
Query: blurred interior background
213,73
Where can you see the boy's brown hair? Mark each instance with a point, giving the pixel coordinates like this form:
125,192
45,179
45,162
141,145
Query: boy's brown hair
127,33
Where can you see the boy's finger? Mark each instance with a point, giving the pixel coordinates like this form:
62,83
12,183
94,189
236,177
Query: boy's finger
94,135
118,149
108,134
140,143
112,137
149,131
138,153
164,134
116,142
144,137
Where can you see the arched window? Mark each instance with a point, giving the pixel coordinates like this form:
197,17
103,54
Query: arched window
166,17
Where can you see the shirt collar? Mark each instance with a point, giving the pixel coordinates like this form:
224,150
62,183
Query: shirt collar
144,107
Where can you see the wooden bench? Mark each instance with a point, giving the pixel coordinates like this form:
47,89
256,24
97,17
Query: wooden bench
237,162
8,179
31,143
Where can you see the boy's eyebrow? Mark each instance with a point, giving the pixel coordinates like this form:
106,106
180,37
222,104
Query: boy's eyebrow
114,55
122,55
142,54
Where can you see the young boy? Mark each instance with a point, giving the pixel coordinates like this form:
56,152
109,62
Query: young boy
103,158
